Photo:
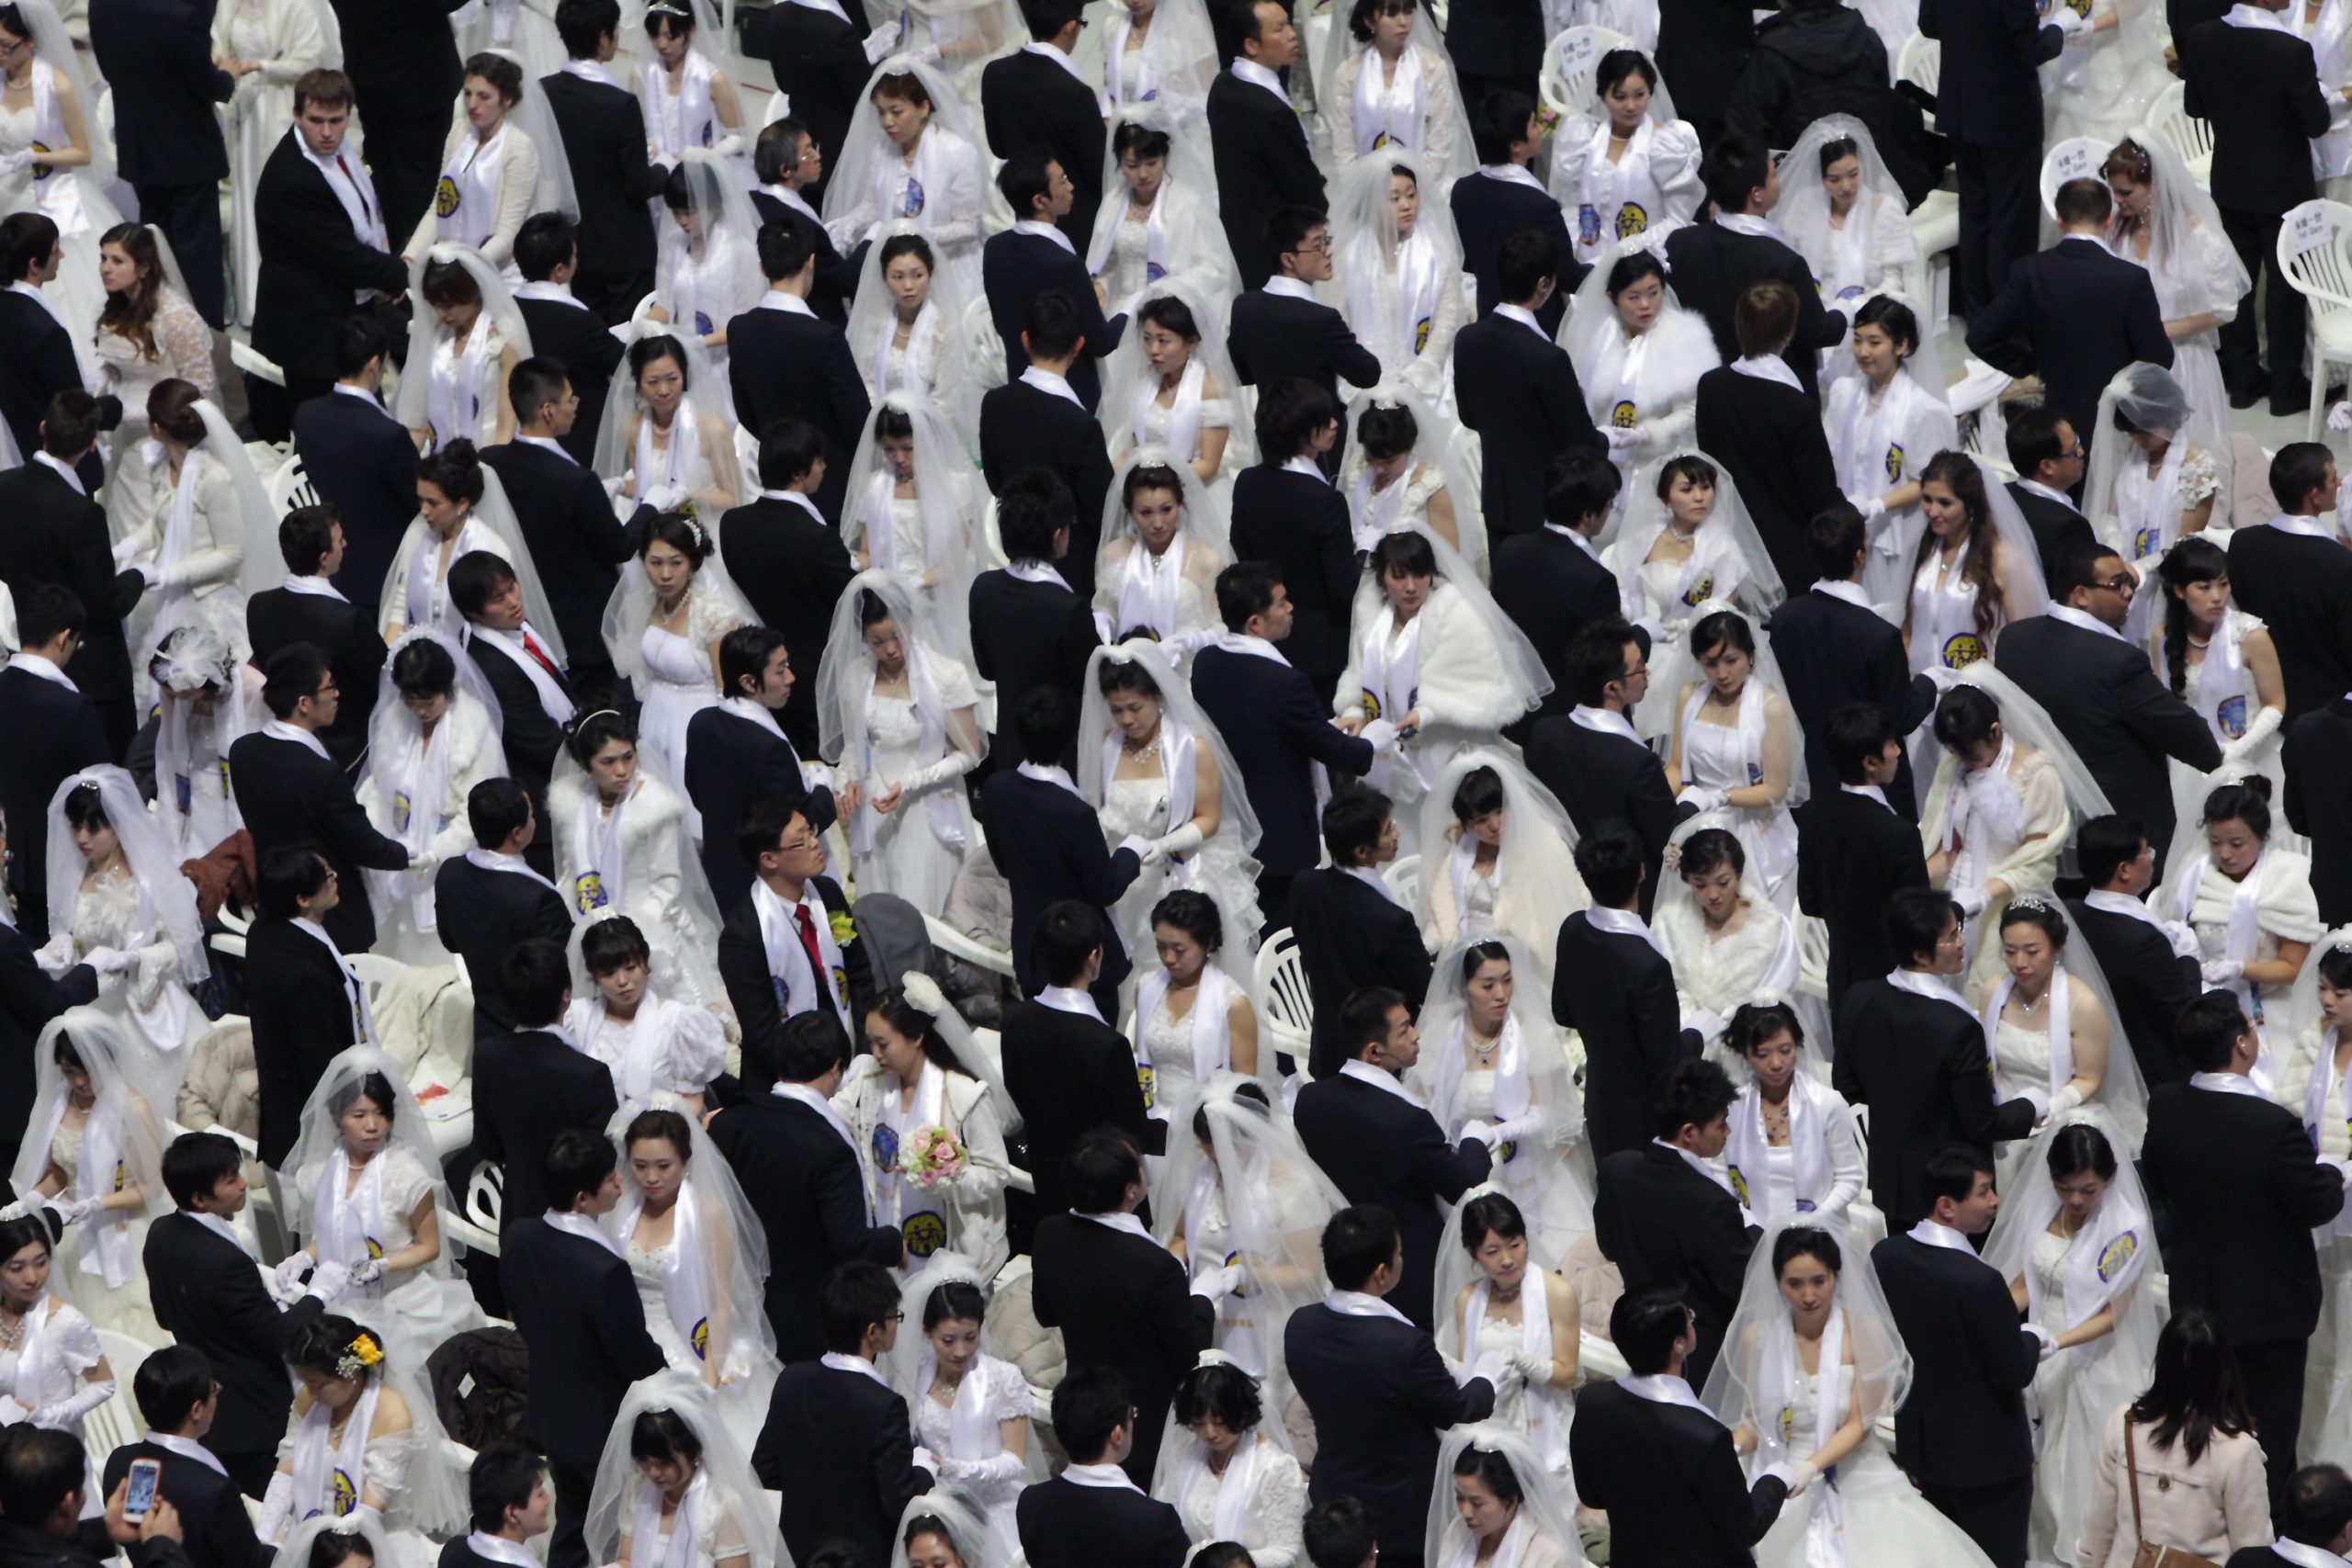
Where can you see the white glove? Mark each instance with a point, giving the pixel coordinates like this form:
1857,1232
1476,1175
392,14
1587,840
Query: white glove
287,1274
1970,899
1621,440
277,1506
16,162
1380,733
1804,1473
1708,1024
976,1473
665,498
424,860
1702,797
614,487
56,955
1217,1284
1491,1367
881,41
1172,846
730,145
2223,971
2265,725
2067,20
73,1211
1140,844
328,1281
66,1413
2037,1098
1486,1132
367,1273
2068,1097
2048,1340
2340,417
2183,938
110,960
1535,1369
15,1211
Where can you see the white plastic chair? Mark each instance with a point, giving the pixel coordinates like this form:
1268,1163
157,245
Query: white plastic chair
955,944
475,1226
1285,1005
116,1422
1921,64
2076,158
1402,875
246,358
1565,77
2316,253
2192,138
289,487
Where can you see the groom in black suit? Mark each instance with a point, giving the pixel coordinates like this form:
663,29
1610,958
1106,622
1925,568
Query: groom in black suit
2151,966
1381,1146
790,563
361,461
785,362
1281,328
36,350
1518,388
1550,581
2294,573
1034,101
1263,160
1714,262
29,997
309,608
604,139
738,756
1613,984
1855,851
1374,1382
1352,931
1035,256
1592,758
2048,455
562,327
53,733
1963,1432
1645,1449
2317,1519
1756,420
1084,1517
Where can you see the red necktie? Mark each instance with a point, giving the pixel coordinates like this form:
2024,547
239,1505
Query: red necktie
357,189
808,943
531,646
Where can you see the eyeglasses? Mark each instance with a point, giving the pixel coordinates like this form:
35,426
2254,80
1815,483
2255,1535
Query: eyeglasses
2073,453
1318,247
2119,584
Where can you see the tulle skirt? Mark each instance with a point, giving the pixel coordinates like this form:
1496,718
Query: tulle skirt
122,1309
1887,1520
2074,1402
2327,1372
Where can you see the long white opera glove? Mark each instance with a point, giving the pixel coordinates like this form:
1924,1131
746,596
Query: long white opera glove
1804,1473
1379,734
2065,1100
61,1415
881,41
287,1274
73,1211
730,145
1169,846
277,1506
1535,1369
2265,725
1002,1465
1700,799
953,766
2223,971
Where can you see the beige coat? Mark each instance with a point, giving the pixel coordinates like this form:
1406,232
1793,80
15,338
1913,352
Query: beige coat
2212,1508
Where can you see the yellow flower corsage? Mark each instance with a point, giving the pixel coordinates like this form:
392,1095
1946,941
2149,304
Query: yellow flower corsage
844,930
363,1355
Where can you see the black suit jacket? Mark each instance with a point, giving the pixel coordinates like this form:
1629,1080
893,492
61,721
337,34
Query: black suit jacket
1064,1525
732,763
531,738
2151,985
158,55
1070,1075
1026,635
57,536
1029,103
1486,211
1299,525
2057,526
362,464
215,1529
744,966
2107,703
301,1019
2264,100
792,567
1379,1148
574,1302
783,364
1768,438
1380,1395
1552,587
2075,315
533,1085
1494,38
2302,590
2318,750
1024,428
1048,843
1016,267
1519,393
1662,1222
820,60
1833,652
1618,992
292,797
574,540
836,281
603,141
52,734
1276,728
29,999
1714,266
209,1294
1122,1301
1919,1065
1853,856
346,633
1263,164
1598,776
839,1447
1670,1481
1703,47
590,354
310,265
803,1183
2244,1190
1351,937
36,364
480,916
1994,95
1274,335
1965,1423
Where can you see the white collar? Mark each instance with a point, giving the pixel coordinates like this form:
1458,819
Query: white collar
1869,792
549,290
1064,61
2083,620
2295,1550
1251,72
1622,922
1251,647
547,444
1768,368
1603,721
2245,15
34,664
1698,1164
1372,880
218,1226
1303,463
1052,773
857,1364
752,712
1072,999
1573,536
2227,1083
784,299
798,499
2116,903
65,471
1663,1388
1116,1221
1038,571
312,587
1109,1477
2043,491
1030,226
791,198
186,1448
1360,1303
1749,224
494,860
1931,988
831,8
278,729
320,933
1928,1232
1292,288
1521,314
1852,592
1381,1078
594,70
1511,173
2087,240
1046,382
2309,527
372,399
497,1548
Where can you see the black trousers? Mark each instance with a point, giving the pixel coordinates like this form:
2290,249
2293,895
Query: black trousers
1994,1516
189,216
568,1543
2000,216
612,295
250,1472
2274,1387
403,156
2254,236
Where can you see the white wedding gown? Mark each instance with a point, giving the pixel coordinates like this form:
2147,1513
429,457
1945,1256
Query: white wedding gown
1887,1519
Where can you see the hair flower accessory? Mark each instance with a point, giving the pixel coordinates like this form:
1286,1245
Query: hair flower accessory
922,992
364,1355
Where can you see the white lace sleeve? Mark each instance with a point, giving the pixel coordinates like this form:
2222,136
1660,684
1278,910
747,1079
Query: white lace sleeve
1277,1514
697,1049
385,1467
707,619
1008,1388
181,334
1438,113
958,222
74,1343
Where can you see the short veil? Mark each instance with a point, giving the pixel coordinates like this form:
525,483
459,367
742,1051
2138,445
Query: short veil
937,682
1366,237
134,1100
729,225
1205,526
413,399
1535,862
706,391
724,1494
948,494
365,1523
1544,1504
1803,211
1342,46
529,114
1435,447
393,732
1677,907
1129,383
165,898
852,185
968,1529
1518,670
200,656
1751,580
2154,400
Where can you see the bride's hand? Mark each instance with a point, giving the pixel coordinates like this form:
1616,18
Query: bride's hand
887,801
845,801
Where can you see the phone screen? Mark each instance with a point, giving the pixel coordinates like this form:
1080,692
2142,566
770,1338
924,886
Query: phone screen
144,1474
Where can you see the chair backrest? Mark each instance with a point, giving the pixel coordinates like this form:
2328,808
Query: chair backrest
1402,875
1280,974
1565,78
486,1194
1921,64
289,487
2076,158
2192,138
2313,239
374,972
118,1421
